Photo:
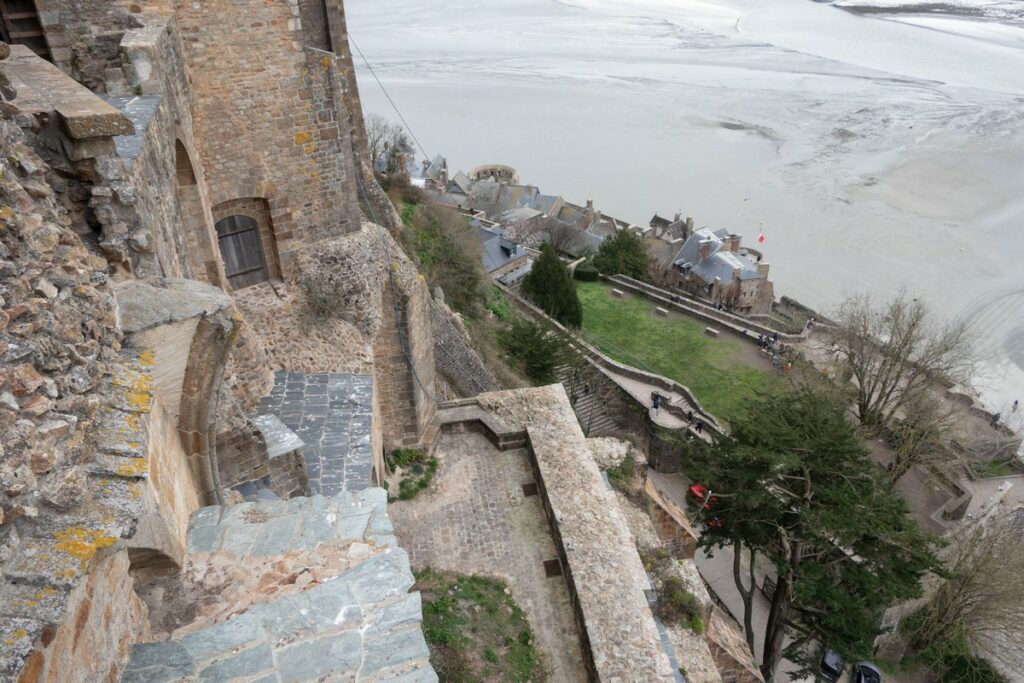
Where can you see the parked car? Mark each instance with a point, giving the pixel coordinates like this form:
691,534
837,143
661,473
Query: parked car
831,666
866,672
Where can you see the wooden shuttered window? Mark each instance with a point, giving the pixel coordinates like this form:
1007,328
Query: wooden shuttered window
242,250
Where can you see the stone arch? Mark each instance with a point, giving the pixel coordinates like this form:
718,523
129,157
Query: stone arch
196,219
242,214
200,397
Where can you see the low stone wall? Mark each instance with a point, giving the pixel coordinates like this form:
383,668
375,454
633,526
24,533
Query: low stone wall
602,361
742,326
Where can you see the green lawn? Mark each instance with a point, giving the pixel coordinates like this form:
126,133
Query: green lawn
629,331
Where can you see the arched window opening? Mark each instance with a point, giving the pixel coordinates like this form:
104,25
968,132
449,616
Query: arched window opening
242,250
182,164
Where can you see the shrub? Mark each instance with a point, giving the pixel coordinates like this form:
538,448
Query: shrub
448,254
586,272
535,349
677,605
621,476
550,287
624,254
498,305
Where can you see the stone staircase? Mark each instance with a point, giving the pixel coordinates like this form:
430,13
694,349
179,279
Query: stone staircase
595,415
352,618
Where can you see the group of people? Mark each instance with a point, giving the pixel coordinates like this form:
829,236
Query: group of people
698,424
771,345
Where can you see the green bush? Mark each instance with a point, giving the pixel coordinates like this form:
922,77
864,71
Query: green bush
550,287
621,476
535,349
412,485
498,305
624,254
586,272
448,254
677,605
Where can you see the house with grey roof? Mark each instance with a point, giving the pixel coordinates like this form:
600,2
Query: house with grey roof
501,258
714,266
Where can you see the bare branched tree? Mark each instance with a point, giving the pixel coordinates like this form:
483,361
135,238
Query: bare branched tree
919,435
387,141
562,235
982,597
894,350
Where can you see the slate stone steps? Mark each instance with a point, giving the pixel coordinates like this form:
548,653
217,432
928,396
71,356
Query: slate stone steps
362,626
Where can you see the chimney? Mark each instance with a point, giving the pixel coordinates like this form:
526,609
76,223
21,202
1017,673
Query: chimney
689,227
704,251
736,272
734,243
678,217
762,269
590,205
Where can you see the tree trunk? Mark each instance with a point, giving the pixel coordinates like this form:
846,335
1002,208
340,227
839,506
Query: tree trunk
746,593
778,615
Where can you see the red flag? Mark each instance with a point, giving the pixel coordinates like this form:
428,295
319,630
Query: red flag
760,238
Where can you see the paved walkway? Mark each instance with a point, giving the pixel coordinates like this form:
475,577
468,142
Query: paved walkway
716,569
331,413
476,519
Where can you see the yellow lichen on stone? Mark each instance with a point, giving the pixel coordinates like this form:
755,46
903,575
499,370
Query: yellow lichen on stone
135,467
147,358
81,544
16,636
325,62
303,137
6,212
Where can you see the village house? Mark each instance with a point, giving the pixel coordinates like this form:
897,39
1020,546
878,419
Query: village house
714,266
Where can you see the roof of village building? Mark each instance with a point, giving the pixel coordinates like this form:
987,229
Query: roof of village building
523,213
462,181
547,203
719,263
496,251
659,222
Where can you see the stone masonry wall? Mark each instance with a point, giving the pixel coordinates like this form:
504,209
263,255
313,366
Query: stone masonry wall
456,362
174,209
278,131
105,616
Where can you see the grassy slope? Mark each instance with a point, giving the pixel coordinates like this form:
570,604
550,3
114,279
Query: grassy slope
476,632
674,347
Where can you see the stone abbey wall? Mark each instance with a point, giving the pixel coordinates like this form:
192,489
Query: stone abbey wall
174,115
275,132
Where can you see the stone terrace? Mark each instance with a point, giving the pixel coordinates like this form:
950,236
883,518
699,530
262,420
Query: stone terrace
331,413
477,520
350,617
603,570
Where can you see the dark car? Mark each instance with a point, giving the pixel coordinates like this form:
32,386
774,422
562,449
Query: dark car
831,666
866,672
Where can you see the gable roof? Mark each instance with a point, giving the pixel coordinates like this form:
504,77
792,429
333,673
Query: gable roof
719,263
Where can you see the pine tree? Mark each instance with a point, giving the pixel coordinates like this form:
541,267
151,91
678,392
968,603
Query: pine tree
794,486
551,287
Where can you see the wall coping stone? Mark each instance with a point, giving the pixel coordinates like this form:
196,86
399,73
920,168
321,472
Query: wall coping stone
43,88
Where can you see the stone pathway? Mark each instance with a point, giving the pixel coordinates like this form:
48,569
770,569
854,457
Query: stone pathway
331,413
477,520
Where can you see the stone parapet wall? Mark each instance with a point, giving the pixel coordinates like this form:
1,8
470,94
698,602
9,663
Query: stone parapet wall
742,326
455,360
